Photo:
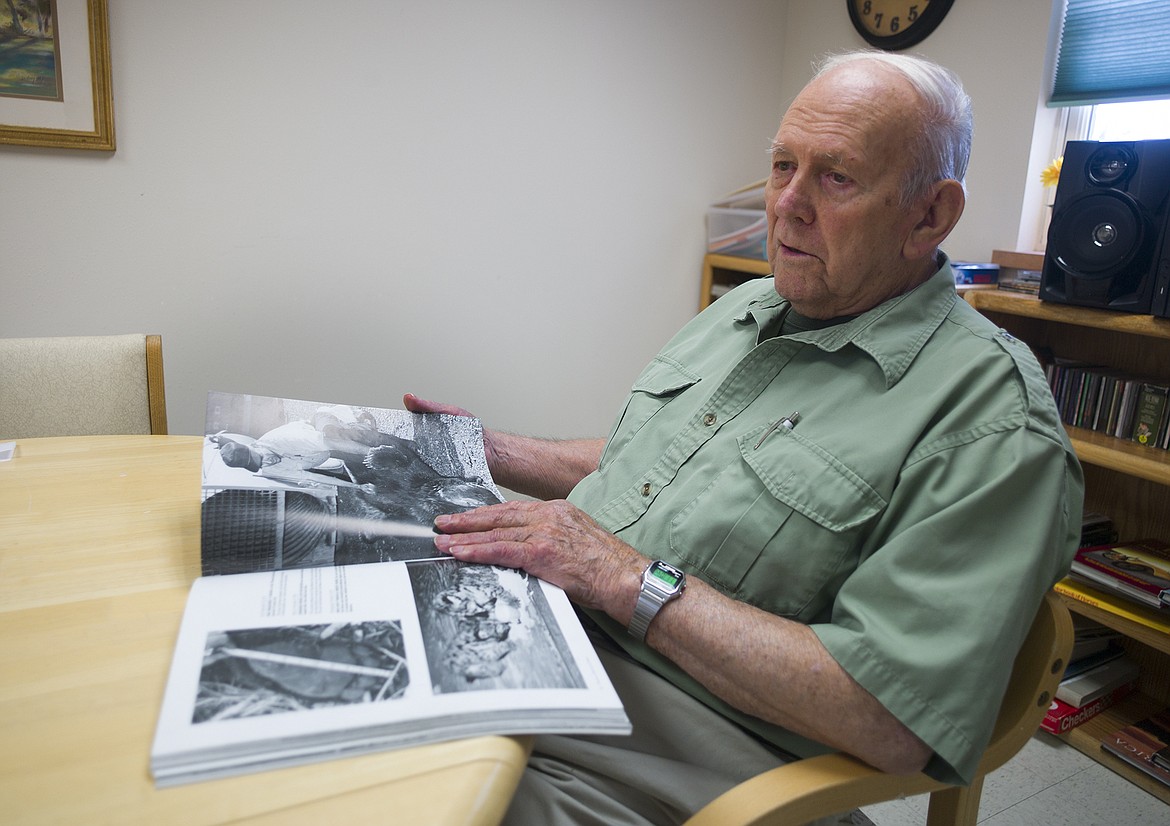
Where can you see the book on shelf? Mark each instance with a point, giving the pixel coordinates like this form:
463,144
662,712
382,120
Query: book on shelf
1138,570
1087,594
1086,662
1150,414
324,624
1090,637
1145,745
1062,718
1097,682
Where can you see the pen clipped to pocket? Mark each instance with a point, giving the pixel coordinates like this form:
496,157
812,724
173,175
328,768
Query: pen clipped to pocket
788,422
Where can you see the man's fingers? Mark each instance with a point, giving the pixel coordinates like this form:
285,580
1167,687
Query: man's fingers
503,515
493,548
416,404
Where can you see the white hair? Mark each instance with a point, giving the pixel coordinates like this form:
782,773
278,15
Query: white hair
947,123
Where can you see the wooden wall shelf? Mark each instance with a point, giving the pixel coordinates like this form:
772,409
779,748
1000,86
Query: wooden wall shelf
1031,307
1124,480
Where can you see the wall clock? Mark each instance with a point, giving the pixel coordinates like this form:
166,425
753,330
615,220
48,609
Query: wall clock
896,24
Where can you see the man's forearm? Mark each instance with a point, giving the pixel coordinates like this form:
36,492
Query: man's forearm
541,468
779,671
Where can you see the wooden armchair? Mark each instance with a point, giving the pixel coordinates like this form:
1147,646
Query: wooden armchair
81,386
818,787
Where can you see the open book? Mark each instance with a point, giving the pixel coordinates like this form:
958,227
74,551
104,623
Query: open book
324,625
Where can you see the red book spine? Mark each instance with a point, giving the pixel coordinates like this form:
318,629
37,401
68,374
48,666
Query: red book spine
1062,718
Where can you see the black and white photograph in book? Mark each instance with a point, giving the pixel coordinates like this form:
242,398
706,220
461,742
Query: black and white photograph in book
290,483
259,671
487,628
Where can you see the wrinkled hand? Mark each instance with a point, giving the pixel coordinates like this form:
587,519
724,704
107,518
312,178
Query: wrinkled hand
555,541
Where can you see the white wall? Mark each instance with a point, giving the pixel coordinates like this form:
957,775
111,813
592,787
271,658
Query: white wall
499,204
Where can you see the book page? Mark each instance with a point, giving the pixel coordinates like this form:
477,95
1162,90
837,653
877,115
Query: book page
278,666
290,483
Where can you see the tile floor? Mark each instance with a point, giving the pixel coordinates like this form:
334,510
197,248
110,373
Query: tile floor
1048,783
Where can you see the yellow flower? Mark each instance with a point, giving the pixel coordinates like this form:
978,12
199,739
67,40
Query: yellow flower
1051,173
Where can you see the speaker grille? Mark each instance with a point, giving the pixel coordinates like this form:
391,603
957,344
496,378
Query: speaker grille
1097,234
1111,165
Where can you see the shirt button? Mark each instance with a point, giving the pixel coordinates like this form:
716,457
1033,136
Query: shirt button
709,419
646,489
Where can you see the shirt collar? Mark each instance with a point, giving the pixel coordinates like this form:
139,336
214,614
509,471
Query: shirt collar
892,333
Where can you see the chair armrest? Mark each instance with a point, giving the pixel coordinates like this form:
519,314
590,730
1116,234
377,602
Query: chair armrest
836,783
808,789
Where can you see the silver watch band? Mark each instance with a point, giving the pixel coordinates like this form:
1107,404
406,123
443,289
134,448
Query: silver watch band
649,604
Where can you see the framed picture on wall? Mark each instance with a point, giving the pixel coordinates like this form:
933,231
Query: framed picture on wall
55,87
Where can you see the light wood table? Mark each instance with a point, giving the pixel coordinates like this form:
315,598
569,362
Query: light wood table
99,543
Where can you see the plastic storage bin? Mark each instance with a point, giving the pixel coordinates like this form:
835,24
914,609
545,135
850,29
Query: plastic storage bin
736,224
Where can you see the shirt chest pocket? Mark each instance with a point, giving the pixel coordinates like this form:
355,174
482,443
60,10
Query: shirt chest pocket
780,528
660,382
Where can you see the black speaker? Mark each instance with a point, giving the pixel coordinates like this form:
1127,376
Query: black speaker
1107,240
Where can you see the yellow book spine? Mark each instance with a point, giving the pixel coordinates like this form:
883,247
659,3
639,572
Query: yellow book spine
1091,596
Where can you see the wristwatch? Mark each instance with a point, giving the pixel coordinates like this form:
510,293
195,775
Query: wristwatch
661,583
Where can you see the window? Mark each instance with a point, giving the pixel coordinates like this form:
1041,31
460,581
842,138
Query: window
1140,120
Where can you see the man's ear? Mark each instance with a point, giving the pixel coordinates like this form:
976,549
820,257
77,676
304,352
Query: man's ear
942,211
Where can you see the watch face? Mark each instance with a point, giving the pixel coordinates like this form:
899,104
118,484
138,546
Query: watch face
669,577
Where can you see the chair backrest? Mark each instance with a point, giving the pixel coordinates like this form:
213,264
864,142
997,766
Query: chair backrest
822,786
81,386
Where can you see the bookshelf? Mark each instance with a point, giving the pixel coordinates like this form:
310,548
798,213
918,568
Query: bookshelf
1126,481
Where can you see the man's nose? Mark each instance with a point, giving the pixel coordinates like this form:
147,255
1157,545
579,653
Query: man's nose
793,201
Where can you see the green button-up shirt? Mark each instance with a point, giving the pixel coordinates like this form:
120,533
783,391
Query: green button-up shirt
913,516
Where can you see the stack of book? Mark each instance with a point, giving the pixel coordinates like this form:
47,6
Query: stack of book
1137,571
1075,589
1128,407
1019,281
1098,675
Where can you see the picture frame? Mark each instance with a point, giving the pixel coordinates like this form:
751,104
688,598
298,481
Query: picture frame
84,116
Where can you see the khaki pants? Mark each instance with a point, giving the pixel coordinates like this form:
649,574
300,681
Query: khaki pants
680,756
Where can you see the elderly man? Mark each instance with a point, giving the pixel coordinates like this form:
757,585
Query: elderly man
864,485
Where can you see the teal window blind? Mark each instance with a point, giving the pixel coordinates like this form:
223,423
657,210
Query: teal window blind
1111,51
